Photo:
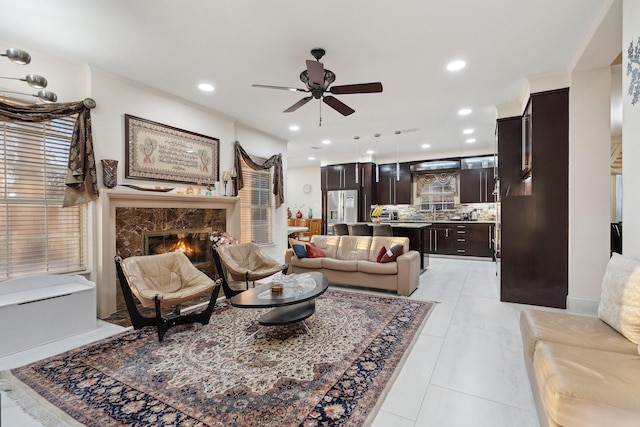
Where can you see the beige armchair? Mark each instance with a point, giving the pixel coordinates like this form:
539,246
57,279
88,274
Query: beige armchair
160,281
241,263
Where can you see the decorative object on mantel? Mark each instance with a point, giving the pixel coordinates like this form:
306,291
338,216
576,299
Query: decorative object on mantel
159,152
226,176
298,214
81,185
289,214
156,188
109,172
20,57
310,213
274,162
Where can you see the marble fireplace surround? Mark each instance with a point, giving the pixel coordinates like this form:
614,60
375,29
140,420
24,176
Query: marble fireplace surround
112,199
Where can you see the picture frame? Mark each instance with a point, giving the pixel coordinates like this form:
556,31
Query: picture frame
158,152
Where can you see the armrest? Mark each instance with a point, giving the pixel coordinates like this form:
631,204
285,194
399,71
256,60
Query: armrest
288,254
408,272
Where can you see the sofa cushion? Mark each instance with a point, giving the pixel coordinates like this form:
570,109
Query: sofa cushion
378,242
328,244
354,248
392,254
381,253
313,251
314,263
620,297
378,268
572,329
300,251
339,264
584,387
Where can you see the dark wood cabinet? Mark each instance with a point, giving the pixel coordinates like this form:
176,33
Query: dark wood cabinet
366,193
476,185
390,189
534,223
441,239
465,239
338,177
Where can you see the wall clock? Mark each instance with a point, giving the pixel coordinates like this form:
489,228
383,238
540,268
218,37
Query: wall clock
306,189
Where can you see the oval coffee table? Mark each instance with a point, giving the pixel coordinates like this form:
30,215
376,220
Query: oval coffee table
296,303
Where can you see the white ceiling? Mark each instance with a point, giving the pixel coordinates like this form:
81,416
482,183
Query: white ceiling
405,44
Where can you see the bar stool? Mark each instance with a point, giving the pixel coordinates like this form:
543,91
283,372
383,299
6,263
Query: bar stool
382,230
340,230
359,230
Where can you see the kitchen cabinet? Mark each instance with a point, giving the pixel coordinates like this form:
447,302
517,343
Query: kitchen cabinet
367,191
465,239
338,177
390,190
477,179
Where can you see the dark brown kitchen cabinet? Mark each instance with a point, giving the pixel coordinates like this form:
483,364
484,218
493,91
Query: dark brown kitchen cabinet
476,185
338,177
441,239
366,182
391,190
474,239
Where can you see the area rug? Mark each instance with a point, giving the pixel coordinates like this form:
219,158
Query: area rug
337,374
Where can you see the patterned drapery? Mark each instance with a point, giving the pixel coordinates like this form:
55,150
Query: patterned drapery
443,178
81,182
274,161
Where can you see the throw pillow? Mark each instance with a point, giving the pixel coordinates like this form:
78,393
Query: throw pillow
297,242
300,251
381,253
314,251
619,305
392,253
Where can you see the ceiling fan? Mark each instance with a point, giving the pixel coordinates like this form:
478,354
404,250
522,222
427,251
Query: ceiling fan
317,80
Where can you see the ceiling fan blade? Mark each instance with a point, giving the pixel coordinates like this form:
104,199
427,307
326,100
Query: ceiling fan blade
298,104
338,105
292,89
356,88
315,70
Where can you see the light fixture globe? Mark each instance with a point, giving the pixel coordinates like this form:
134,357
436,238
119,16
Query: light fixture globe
36,81
17,56
47,96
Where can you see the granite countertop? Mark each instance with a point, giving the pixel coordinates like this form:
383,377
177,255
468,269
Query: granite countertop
402,224
439,222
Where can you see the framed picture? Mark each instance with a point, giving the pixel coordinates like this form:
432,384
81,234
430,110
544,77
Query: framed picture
163,153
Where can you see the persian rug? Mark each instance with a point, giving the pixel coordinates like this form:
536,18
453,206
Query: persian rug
277,376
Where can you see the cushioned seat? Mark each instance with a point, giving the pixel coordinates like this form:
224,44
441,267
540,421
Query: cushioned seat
586,387
378,268
164,280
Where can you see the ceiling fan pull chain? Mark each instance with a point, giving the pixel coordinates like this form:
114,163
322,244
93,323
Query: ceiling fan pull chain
320,111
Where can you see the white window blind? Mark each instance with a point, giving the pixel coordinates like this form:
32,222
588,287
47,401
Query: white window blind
257,205
37,235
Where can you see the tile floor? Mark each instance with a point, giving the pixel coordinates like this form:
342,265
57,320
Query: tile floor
465,369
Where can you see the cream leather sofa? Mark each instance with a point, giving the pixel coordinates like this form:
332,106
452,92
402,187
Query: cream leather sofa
582,371
351,260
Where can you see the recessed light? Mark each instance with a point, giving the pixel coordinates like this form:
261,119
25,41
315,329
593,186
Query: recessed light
464,111
311,158
294,127
426,145
370,152
456,65
470,140
467,131
326,141
206,87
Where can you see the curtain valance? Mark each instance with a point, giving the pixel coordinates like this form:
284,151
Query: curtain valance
274,161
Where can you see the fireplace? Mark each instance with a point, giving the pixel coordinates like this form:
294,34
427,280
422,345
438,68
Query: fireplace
193,242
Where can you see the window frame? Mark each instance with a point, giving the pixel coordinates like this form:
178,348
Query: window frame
248,211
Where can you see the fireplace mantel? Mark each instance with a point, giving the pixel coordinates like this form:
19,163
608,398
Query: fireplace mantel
109,200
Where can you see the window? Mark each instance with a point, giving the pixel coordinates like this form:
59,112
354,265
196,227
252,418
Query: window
37,235
257,203
437,191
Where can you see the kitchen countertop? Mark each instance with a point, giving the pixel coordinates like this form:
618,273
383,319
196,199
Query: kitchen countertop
438,222
412,224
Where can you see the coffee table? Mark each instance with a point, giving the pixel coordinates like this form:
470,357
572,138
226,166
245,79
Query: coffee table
295,304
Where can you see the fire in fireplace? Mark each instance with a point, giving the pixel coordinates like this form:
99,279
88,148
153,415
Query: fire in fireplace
194,242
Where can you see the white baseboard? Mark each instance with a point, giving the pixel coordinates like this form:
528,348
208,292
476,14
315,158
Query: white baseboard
582,306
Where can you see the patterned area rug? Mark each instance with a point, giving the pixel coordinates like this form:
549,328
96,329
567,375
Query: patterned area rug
278,376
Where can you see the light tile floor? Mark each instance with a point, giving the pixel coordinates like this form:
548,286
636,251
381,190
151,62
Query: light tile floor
465,369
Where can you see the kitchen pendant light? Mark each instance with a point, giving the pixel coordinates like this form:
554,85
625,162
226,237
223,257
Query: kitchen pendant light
357,165
377,135
397,157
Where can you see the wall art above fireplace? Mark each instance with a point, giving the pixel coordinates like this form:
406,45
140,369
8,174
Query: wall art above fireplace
159,152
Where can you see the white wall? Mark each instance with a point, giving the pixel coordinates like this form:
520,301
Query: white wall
630,139
589,186
297,178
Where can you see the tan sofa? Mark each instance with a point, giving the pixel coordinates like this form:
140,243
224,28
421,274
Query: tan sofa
351,260
582,371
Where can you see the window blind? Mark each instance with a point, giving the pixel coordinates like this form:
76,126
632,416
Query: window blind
37,235
257,203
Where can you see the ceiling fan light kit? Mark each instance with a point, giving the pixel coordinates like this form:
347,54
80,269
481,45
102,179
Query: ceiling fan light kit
317,81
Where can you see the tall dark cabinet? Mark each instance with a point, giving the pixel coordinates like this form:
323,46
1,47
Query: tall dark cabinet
535,211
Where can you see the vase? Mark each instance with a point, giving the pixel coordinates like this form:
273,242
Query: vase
298,214
289,214
310,213
109,173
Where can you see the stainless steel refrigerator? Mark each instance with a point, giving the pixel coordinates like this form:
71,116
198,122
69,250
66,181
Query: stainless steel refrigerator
342,206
